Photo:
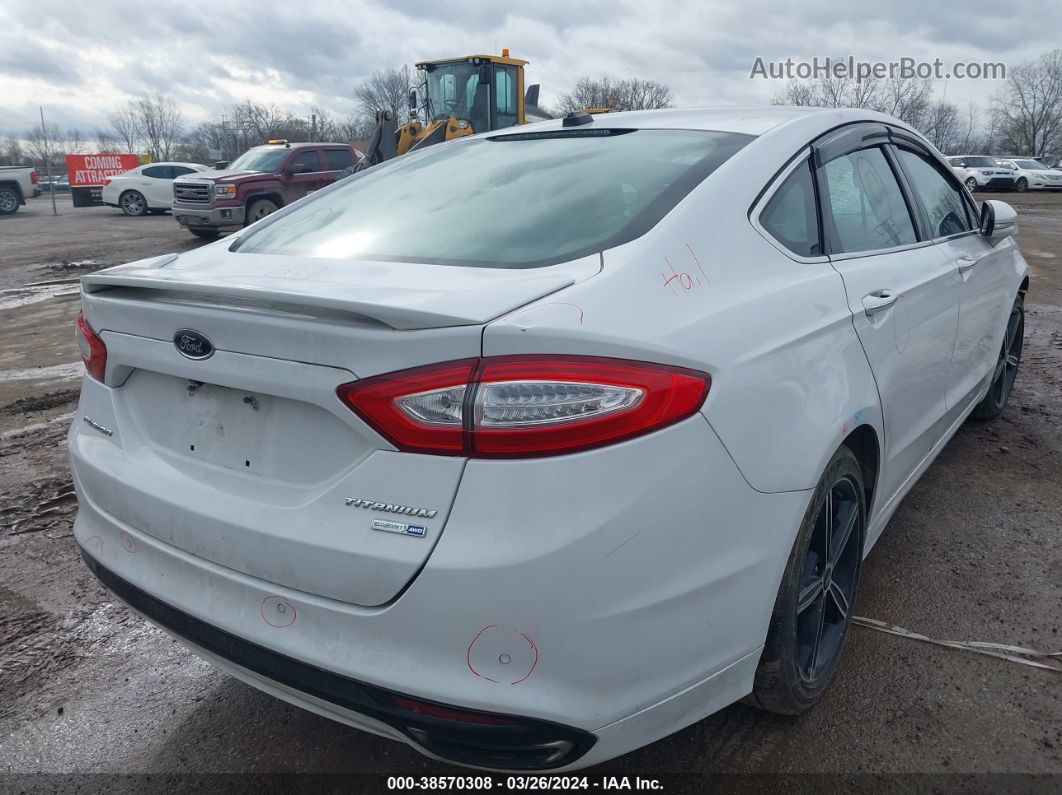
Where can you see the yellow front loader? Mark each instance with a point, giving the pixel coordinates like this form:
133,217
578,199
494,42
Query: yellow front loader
461,96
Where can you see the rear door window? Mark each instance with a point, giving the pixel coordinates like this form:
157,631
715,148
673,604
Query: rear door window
338,159
158,172
863,206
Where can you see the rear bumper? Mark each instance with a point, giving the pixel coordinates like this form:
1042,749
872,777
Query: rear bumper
481,738
620,594
196,216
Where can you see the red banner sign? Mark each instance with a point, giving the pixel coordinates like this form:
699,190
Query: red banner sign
89,170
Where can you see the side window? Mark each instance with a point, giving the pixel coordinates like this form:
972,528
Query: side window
505,96
941,200
308,158
180,171
791,216
158,172
863,207
338,159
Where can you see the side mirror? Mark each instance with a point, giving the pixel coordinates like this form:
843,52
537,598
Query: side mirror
297,168
412,100
486,74
221,165
998,221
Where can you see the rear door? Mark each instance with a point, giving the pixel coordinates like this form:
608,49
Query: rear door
299,185
158,185
902,291
950,218
336,160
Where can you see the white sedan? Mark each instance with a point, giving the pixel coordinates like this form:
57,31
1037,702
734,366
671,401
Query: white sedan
1031,174
146,188
535,447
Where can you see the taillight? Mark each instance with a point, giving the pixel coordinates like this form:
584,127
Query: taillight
517,406
93,349
33,176
106,181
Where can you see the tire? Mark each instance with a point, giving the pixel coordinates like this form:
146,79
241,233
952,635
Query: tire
1007,363
971,184
205,234
133,203
9,201
809,626
259,209
1021,185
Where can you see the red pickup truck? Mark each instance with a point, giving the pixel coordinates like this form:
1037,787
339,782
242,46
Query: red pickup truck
257,183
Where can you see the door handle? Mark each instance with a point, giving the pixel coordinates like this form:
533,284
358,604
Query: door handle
878,301
965,264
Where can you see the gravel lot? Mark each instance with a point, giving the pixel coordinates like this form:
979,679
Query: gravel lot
974,553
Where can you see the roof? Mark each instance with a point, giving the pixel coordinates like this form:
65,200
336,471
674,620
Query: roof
299,145
751,120
502,59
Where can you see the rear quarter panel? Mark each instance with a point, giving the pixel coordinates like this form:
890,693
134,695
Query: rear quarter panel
704,289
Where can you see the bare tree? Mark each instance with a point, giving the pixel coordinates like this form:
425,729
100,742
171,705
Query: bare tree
831,92
387,90
124,122
943,127
909,100
73,144
798,92
13,154
158,122
1028,112
353,128
106,142
42,143
632,93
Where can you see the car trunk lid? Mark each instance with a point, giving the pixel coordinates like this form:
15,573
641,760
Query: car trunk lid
248,458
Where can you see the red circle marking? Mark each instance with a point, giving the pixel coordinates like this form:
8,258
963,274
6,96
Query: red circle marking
468,654
525,636
534,662
279,601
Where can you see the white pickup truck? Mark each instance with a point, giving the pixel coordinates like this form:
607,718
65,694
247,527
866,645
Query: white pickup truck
17,183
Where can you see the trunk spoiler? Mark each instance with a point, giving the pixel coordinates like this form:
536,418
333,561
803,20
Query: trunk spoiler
403,297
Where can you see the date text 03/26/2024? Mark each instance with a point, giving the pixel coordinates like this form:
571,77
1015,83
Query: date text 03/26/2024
523,783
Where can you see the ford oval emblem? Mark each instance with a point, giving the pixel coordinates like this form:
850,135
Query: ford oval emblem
193,344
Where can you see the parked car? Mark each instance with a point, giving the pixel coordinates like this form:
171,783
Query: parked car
256,184
146,189
16,183
536,447
980,172
1030,174
56,184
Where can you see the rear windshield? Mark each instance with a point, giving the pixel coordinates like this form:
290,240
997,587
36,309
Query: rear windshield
981,162
518,200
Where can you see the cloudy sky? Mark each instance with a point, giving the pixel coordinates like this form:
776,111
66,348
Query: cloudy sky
81,59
